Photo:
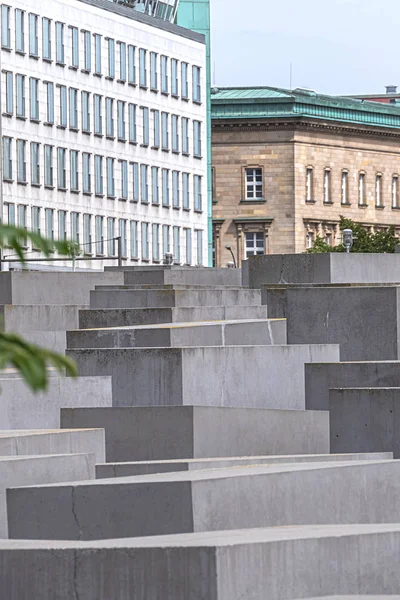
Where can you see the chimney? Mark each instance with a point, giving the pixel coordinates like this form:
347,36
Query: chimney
391,89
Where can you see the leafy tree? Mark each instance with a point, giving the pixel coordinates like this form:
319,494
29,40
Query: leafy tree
30,360
364,240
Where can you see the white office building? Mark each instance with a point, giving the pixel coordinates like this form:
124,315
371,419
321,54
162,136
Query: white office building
103,112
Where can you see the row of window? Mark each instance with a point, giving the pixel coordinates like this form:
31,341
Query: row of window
133,178
362,188
135,241
125,113
85,50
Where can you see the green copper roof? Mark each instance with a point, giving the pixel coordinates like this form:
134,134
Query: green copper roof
268,102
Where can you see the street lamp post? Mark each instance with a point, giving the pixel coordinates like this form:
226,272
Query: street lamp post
228,247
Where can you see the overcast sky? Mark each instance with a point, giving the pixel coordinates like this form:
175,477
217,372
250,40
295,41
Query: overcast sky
336,47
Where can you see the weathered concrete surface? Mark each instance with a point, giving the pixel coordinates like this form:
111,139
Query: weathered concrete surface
52,340
165,433
57,441
36,317
228,565
20,408
196,276
322,268
319,378
128,469
237,376
122,317
363,320
34,470
365,420
223,333
356,597
208,500
55,287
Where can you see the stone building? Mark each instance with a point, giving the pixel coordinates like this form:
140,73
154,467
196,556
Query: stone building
287,164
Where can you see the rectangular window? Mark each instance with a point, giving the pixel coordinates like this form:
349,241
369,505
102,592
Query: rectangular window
110,178
75,47
196,84
61,169
109,117
33,36
87,56
164,131
164,74
22,210
185,191
131,65
98,117
111,236
378,190
165,187
124,180
97,54
46,27
197,181
309,184
9,106
73,108
5,27
154,185
254,244
99,226
135,181
185,136
175,189
19,31
74,170
86,173
62,225
87,234
345,187
35,163
156,242
111,58
132,123
184,81
34,98
122,236
49,218
48,166
60,54
174,77
199,245
7,159
36,219
361,189
145,120
175,133
75,227
122,61
188,240
144,184
153,71
50,103
156,128
20,85
145,241
395,191
63,106
142,68
121,120
327,186
166,238
177,245
254,184
98,171
197,139
134,239
21,161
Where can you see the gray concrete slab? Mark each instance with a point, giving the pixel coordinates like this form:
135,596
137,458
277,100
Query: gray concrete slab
208,500
365,420
36,317
20,408
52,340
89,319
363,320
213,333
31,470
128,469
197,276
166,433
356,597
53,441
237,376
319,378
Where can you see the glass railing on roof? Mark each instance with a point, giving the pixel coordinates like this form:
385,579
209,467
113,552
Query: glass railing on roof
162,9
